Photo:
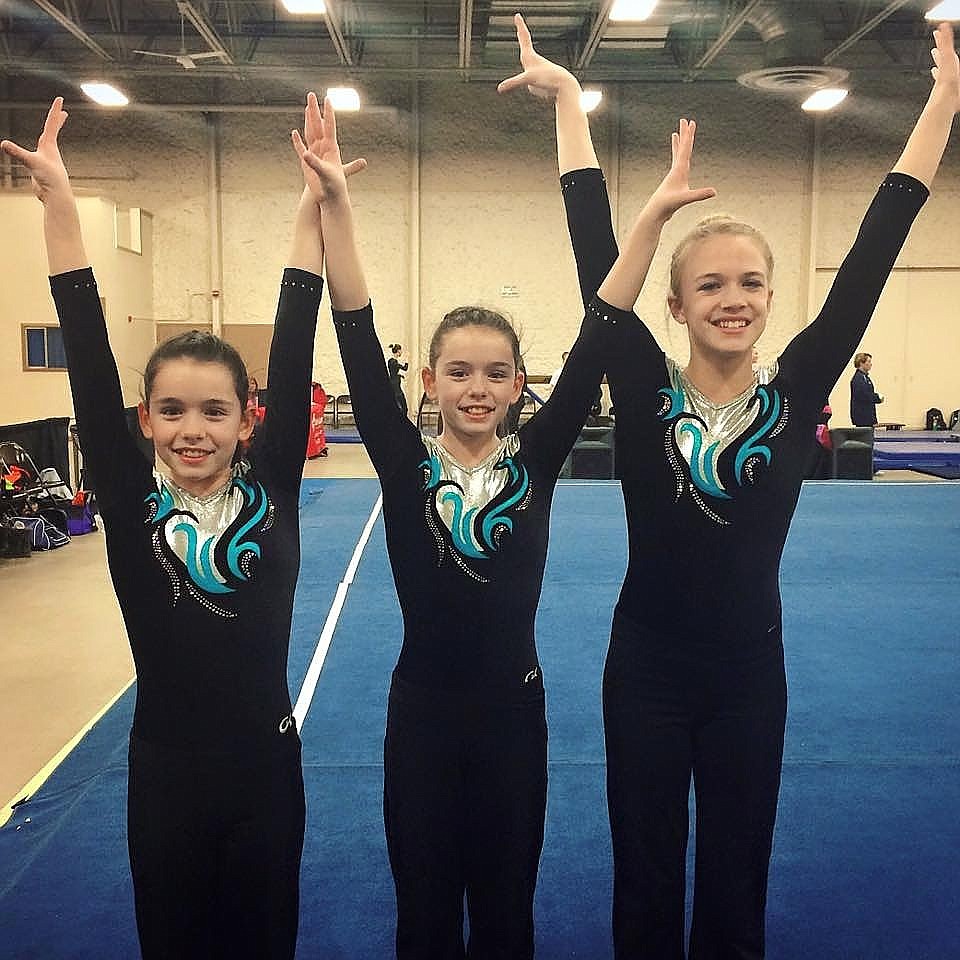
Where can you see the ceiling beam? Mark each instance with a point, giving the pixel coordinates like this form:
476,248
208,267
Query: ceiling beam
726,34
74,28
205,28
594,36
340,43
858,35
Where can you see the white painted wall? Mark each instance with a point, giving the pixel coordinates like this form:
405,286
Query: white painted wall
489,211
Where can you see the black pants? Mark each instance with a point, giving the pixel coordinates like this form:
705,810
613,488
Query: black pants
215,847
400,397
667,715
465,792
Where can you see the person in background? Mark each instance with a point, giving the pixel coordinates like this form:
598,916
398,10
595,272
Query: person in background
394,366
863,397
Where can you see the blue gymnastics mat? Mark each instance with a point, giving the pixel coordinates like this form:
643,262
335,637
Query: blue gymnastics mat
867,848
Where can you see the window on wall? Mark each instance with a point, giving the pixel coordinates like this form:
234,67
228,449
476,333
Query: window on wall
43,347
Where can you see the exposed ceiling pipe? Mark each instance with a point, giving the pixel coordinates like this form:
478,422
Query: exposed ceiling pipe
857,35
204,27
335,30
594,36
727,34
74,28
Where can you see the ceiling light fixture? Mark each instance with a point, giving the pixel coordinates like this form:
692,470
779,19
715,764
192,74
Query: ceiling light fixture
105,94
590,100
947,10
632,9
344,98
312,7
825,99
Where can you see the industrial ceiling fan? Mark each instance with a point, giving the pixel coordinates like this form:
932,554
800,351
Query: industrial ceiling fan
186,60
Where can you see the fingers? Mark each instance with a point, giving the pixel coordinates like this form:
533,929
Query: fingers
523,33
944,37
298,144
512,83
312,120
329,120
15,150
354,166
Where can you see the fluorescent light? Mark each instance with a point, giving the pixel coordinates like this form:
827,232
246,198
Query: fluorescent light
344,98
590,99
316,7
632,9
104,94
825,99
947,10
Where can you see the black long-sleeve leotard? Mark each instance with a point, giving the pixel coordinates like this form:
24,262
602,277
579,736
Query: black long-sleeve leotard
708,509
207,615
468,569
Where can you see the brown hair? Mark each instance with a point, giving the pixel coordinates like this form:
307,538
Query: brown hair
205,348
475,317
861,358
719,225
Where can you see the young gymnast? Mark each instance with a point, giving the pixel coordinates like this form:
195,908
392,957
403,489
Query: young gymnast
466,516
204,558
712,457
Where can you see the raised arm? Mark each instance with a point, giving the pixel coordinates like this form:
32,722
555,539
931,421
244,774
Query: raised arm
61,223
584,191
550,81
379,419
821,350
114,461
924,149
326,178
623,284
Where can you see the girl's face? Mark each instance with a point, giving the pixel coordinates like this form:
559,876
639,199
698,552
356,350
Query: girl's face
474,381
195,420
724,295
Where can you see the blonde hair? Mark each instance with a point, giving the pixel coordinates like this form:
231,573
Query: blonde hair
861,358
717,225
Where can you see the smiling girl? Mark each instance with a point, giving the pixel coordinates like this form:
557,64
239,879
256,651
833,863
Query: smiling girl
204,556
467,516
712,456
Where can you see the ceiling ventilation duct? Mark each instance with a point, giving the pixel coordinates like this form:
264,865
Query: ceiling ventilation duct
793,51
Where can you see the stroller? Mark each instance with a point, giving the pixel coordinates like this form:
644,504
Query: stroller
37,500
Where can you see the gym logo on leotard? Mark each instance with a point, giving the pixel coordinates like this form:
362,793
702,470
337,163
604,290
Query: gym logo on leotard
471,532
694,446
209,566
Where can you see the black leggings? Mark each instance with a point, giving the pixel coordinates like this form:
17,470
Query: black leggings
667,715
215,847
465,792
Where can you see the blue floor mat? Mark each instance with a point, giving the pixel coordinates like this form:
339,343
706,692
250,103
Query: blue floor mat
867,847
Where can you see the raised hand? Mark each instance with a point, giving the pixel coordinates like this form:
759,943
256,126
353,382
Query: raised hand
47,172
540,76
674,190
946,69
323,169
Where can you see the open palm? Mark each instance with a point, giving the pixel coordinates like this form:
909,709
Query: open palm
45,164
542,77
946,70
674,190
323,170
